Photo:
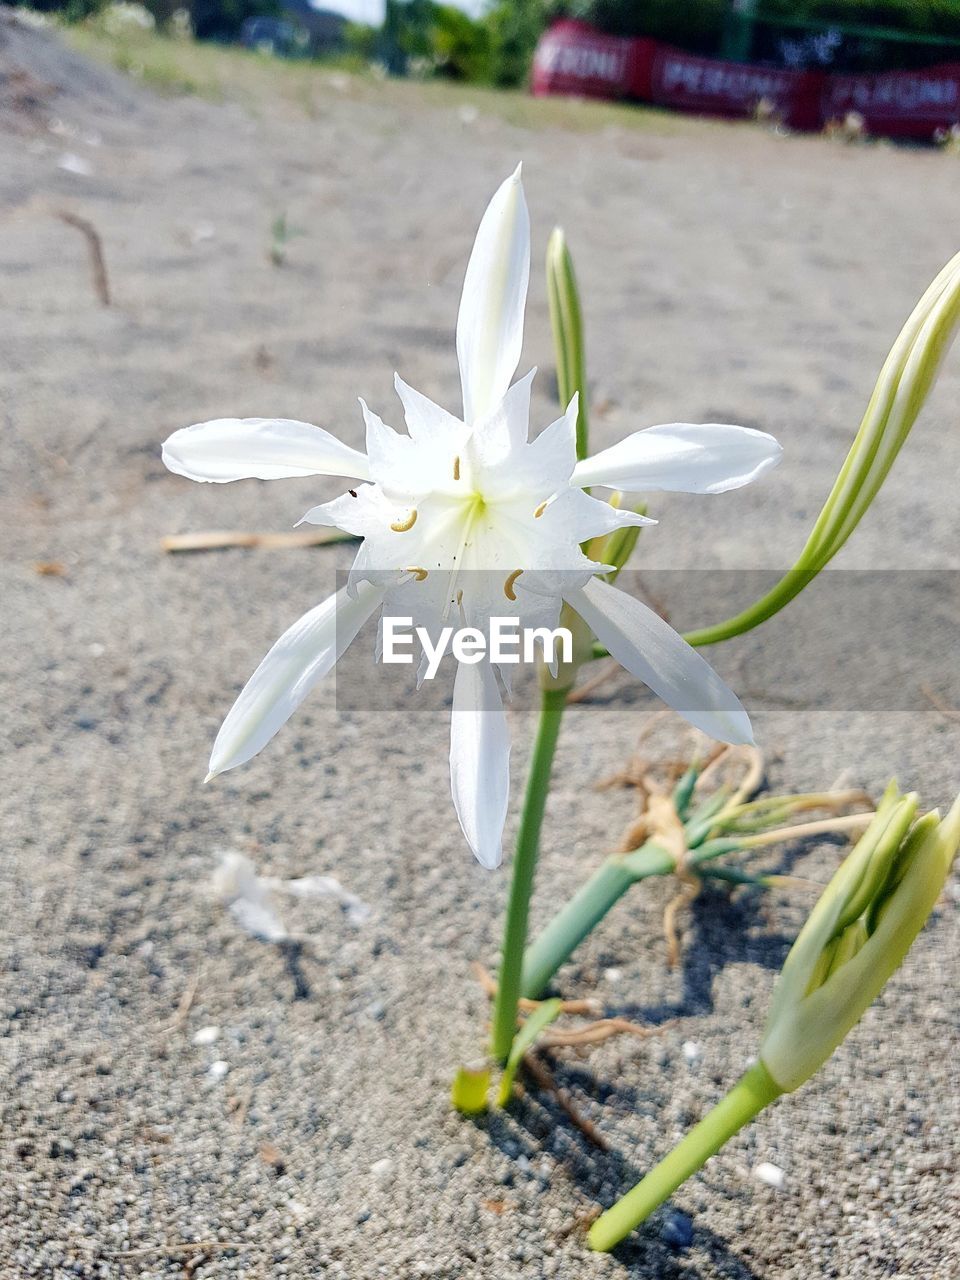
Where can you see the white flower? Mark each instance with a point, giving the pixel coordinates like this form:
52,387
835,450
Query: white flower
461,517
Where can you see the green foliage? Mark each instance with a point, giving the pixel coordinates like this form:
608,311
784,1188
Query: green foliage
515,26
699,24
696,25
69,10
931,17
461,47
222,19
361,41
426,38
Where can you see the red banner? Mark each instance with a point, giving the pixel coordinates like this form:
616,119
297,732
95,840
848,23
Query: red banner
683,80
901,104
573,58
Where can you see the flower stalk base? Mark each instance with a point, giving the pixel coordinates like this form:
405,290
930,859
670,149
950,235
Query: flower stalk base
754,1091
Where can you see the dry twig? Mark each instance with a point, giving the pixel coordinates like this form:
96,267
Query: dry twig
597,1032
185,1005
583,691
98,266
217,540
950,713
489,984
185,1246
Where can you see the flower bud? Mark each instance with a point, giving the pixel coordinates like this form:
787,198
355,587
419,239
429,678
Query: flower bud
857,935
566,321
906,379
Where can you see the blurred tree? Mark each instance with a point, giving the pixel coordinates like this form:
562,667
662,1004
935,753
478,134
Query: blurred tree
515,26
222,19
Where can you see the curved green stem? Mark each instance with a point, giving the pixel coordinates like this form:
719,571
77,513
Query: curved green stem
908,374
754,1091
780,595
552,704
611,880
585,910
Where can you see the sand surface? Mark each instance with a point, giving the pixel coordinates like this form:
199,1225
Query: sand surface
728,275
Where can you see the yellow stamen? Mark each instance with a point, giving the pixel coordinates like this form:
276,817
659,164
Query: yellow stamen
508,590
460,597
456,467
401,526
541,509
417,572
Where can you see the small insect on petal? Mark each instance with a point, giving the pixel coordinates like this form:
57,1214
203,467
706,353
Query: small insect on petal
401,526
417,572
508,590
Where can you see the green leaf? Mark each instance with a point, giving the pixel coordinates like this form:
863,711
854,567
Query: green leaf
537,1022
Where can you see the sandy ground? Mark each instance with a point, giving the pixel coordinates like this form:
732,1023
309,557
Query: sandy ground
728,274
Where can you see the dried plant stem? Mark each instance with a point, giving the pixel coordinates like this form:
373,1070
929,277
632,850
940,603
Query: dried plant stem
98,265
544,1080
583,691
185,1246
828,826
218,541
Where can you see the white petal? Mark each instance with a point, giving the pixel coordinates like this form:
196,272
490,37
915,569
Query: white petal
479,760
499,435
538,469
401,465
651,650
682,456
364,512
490,323
426,421
301,657
259,449
581,517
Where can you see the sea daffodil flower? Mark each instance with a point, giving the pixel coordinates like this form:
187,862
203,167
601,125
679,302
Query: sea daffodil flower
457,495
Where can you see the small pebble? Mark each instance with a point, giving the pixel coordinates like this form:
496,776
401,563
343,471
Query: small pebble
612,975
382,1170
218,1069
71,163
206,1035
677,1230
691,1050
771,1174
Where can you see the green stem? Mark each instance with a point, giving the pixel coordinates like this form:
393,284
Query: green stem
585,910
789,586
593,900
552,704
754,1091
